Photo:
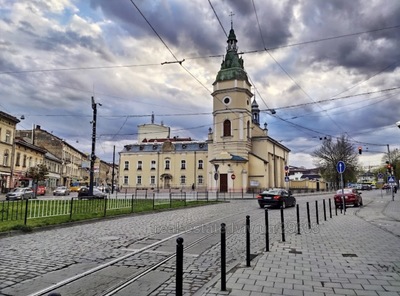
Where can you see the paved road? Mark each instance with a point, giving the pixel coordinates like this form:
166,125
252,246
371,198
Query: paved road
30,258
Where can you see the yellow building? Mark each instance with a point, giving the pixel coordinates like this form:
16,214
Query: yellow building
7,135
162,162
238,155
26,156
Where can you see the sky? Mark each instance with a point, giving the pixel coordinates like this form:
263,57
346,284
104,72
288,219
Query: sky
328,68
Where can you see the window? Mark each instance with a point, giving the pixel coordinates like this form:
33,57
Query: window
24,161
126,165
227,100
200,179
200,166
183,179
17,160
30,162
183,164
139,165
227,128
5,158
126,180
139,180
8,136
153,165
152,180
167,164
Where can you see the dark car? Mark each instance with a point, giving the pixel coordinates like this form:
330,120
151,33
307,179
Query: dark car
351,196
276,198
83,193
20,193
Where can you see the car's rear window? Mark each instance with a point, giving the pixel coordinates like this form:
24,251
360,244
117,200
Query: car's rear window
345,191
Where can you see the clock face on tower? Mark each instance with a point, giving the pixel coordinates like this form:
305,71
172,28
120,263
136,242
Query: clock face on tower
227,100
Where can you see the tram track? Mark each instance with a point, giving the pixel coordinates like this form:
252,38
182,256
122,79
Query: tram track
125,272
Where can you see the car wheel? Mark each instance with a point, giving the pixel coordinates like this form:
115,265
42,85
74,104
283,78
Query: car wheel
261,206
294,203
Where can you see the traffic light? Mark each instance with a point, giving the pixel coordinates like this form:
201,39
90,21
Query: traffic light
359,150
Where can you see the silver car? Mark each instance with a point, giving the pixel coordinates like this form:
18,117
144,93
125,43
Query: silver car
20,193
61,190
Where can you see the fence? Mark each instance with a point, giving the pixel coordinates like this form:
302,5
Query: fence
44,208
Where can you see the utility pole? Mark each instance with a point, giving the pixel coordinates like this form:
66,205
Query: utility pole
113,172
93,155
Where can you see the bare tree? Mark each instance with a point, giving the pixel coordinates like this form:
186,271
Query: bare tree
330,153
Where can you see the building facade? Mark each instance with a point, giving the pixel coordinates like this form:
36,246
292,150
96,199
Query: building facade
8,125
71,158
26,156
163,162
237,156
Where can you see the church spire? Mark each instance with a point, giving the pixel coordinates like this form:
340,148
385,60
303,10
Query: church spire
232,67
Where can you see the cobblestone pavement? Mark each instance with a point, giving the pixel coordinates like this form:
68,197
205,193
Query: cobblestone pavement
26,257
353,254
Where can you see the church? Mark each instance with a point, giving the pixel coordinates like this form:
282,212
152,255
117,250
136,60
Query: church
238,155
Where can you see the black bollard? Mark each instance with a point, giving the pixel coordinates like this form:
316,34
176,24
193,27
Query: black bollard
335,209
179,267
283,225
223,257
266,231
323,202
54,294
298,218
330,208
308,215
248,241
316,211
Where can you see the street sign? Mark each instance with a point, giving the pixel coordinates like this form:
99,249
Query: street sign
286,179
233,177
380,176
391,179
341,167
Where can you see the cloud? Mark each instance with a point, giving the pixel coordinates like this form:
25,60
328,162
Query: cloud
56,55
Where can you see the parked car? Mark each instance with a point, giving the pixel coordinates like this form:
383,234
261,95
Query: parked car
366,187
276,198
351,197
104,188
83,193
61,190
20,193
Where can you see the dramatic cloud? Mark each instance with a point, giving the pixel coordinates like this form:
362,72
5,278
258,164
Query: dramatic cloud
327,68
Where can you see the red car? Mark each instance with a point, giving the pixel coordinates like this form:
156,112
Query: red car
351,197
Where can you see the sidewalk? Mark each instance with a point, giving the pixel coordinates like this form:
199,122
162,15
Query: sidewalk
344,255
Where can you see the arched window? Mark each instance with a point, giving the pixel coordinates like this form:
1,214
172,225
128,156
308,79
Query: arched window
248,129
227,128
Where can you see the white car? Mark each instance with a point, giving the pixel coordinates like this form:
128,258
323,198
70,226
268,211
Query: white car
20,193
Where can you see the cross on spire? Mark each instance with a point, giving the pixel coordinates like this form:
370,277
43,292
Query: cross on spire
231,15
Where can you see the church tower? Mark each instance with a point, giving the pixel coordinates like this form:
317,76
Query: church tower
230,141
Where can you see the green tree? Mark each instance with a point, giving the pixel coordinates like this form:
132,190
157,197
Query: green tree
330,153
37,173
